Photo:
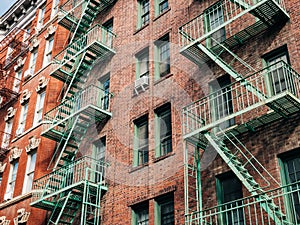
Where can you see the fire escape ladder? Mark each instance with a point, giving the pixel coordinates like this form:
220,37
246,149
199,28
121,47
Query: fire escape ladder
243,164
75,131
78,78
193,204
65,209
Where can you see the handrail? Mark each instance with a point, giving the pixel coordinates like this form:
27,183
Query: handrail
236,98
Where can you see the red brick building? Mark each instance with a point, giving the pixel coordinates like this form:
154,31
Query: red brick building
150,112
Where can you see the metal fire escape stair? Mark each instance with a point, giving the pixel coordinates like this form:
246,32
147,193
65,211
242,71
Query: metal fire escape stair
65,209
195,47
70,189
233,160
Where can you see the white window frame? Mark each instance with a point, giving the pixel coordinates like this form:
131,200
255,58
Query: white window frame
55,7
48,51
12,179
17,81
30,169
7,133
33,59
38,115
23,118
41,17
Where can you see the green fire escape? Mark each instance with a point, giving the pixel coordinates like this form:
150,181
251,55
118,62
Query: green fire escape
256,98
72,192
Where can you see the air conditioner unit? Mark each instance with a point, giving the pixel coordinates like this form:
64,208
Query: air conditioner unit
141,83
28,73
8,196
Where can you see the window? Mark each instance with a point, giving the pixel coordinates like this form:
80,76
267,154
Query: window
26,34
161,6
229,189
108,35
7,134
48,51
41,17
104,85
17,81
142,63
33,62
215,18
143,12
291,175
29,172
221,100
1,177
163,132
162,57
141,149
22,122
99,149
140,214
12,178
164,210
38,116
278,79
10,50
55,8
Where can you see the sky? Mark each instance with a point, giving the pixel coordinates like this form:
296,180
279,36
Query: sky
4,5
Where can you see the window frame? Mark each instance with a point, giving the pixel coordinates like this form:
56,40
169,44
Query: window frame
30,169
220,33
41,17
160,61
282,160
55,7
104,84
158,9
273,56
138,157
7,134
39,108
11,183
48,51
136,212
23,117
142,4
33,60
158,203
99,148
160,112
220,197
142,57
17,80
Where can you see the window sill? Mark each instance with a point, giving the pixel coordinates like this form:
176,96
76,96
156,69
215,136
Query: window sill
27,131
48,66
163,78
162,14
136,168
141,28
157,159
15,200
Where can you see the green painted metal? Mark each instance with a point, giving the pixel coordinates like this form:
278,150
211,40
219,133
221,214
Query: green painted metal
260,14
248,93
198,116
232,159
71,191
76,186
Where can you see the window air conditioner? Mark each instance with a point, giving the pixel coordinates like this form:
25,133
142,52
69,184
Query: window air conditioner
141,83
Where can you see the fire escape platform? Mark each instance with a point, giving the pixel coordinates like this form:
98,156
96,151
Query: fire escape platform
72,12
73,178
90,105
247,104
55,129
96,44
285,102
267,14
